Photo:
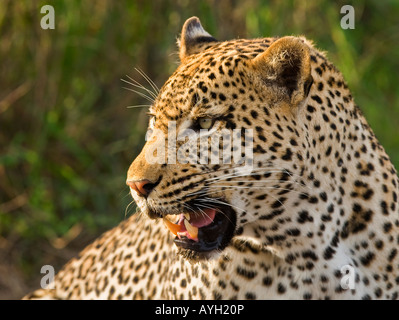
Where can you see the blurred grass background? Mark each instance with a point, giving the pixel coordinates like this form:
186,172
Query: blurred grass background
67,137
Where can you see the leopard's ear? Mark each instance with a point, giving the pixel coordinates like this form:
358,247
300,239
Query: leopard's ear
193,37
285,65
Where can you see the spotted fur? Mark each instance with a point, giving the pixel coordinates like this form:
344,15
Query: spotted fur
323,193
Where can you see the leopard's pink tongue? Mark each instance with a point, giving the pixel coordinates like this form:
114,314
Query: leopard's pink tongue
188,224
204,218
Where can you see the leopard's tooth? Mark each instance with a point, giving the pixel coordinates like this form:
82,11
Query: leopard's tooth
187,216
193,231
174,228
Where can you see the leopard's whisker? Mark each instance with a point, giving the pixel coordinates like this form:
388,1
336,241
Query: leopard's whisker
148,79
139,106
258,183
222,202
140,94
127,207
254,187
136,84
234,175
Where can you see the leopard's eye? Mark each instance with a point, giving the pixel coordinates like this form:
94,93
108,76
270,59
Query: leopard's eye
205,123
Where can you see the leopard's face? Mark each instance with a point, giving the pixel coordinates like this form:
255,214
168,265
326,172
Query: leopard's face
219,156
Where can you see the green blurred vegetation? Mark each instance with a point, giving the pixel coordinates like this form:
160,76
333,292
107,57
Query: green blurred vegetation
67,137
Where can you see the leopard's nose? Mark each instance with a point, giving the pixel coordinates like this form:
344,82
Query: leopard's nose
143,187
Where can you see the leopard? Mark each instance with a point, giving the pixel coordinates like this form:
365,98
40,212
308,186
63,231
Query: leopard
312,213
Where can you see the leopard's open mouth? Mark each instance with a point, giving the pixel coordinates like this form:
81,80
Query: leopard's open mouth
202,231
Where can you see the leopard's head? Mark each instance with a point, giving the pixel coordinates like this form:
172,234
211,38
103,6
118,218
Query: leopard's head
222,147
